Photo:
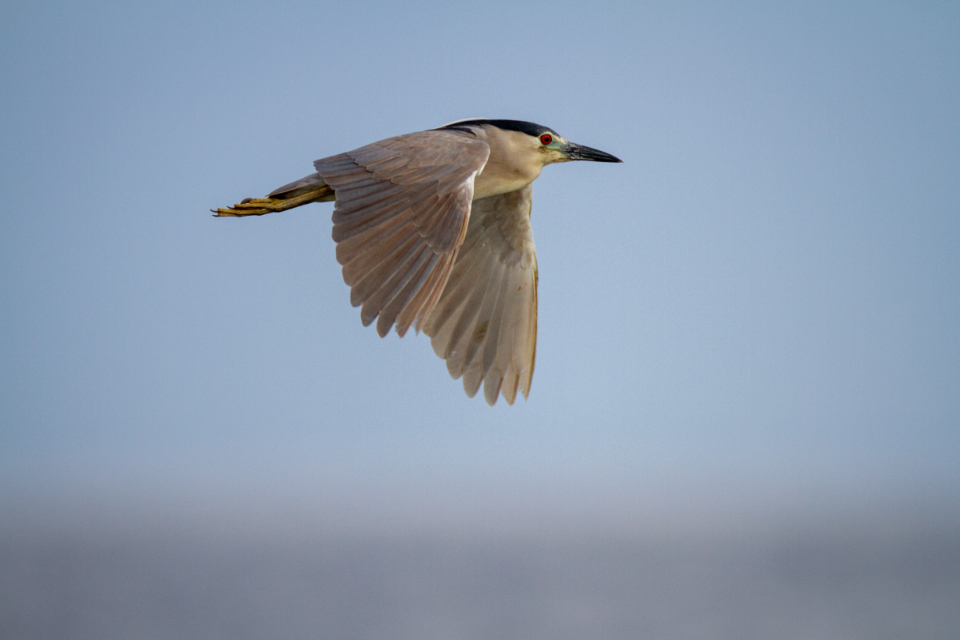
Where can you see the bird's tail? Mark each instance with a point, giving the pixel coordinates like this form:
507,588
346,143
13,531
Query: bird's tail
303,191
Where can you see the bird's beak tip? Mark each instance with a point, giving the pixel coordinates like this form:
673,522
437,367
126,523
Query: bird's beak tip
580,152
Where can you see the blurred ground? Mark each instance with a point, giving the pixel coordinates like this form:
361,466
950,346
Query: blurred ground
872,579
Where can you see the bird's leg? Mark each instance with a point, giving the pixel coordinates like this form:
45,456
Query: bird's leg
261,206
251,207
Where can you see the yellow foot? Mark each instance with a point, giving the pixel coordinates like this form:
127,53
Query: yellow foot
261,206
253,207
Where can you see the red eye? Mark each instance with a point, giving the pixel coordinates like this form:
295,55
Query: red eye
546,139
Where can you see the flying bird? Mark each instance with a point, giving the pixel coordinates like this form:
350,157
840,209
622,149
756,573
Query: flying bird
433,231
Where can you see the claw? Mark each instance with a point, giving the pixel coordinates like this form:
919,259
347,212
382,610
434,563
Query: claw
234,213
261,206
252,207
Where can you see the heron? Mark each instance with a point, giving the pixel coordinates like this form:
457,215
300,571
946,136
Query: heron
433,231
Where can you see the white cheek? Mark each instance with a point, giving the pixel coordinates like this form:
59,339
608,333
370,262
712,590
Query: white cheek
555,156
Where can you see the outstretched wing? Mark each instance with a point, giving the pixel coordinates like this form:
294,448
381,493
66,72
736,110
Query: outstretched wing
485,324
401,213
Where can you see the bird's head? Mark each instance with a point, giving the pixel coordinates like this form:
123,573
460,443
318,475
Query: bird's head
555,148
531,143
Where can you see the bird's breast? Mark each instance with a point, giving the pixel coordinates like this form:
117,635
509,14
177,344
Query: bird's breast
497,178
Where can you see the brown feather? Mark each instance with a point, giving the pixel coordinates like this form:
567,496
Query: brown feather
402,208
485,322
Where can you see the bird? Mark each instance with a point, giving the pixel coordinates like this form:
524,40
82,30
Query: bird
433,231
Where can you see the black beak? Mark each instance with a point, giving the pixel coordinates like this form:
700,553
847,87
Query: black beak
579,152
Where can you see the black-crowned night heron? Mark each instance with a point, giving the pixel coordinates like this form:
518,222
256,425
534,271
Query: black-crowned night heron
433,230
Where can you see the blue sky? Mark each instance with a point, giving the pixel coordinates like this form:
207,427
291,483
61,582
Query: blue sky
759,309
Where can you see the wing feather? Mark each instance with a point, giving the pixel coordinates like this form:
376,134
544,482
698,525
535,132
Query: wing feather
402,210
485,323
480,326
353,248
428,294
372,282
406,290
372,267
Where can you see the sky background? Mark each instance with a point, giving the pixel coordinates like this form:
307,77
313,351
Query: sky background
756,317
